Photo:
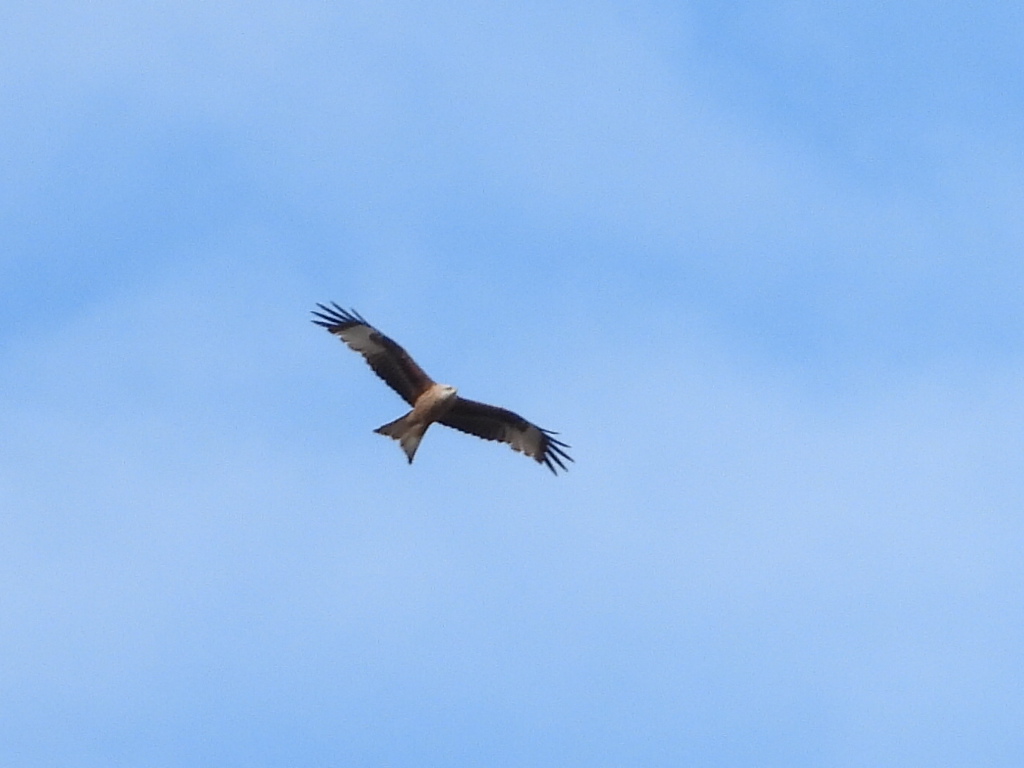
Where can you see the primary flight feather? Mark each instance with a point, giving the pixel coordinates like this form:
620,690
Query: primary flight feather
432,402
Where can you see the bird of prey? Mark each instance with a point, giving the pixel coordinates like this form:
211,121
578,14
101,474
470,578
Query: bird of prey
431,401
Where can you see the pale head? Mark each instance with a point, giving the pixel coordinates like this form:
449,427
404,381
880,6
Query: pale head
435,402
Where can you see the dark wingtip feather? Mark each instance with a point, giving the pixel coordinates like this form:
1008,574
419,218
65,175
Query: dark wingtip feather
333,316
554,452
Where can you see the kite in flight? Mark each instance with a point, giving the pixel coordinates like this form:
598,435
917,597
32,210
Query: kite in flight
431,401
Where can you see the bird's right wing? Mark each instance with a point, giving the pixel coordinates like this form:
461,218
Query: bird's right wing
385,356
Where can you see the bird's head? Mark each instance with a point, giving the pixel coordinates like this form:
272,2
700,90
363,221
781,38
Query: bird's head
449,391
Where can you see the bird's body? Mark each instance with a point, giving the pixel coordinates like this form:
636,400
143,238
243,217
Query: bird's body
431,406
432,402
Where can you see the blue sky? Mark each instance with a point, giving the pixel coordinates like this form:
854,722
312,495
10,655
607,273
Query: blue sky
759,263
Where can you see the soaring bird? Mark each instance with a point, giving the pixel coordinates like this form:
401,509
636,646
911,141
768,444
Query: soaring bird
431,401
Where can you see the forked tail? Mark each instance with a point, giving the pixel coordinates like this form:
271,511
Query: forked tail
407,432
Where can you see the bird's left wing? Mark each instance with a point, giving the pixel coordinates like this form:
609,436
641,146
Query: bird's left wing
493,423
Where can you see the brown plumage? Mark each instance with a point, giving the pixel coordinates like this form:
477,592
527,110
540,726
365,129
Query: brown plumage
432,402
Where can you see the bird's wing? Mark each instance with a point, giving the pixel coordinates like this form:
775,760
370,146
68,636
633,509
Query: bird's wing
492,423
385,356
